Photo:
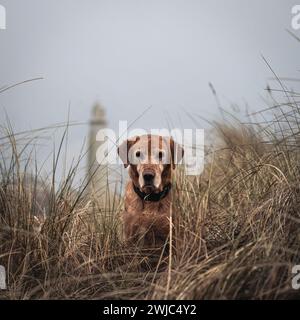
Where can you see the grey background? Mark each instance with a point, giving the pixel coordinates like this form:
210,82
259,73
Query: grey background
133,54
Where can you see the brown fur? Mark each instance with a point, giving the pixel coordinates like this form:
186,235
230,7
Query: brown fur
147,222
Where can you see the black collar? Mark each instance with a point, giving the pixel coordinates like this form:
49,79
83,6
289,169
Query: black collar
153,197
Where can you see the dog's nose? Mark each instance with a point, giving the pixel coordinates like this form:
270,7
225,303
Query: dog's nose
148,177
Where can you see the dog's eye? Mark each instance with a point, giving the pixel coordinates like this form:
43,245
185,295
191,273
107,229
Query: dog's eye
138,154
160,155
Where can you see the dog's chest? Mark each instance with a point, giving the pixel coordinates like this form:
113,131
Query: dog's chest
135,205
148,208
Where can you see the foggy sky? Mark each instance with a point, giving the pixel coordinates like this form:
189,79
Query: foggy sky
132,54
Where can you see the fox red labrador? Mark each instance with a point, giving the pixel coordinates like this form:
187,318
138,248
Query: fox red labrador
152,160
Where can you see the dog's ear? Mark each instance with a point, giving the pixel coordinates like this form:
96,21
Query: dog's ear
177,152
123,149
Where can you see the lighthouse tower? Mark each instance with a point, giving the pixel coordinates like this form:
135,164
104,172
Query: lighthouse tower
97,173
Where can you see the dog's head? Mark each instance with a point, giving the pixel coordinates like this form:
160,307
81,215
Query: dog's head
151,159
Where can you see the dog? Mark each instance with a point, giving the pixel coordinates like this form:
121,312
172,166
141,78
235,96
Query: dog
151,160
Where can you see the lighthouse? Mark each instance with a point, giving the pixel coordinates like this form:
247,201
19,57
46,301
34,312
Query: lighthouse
97,172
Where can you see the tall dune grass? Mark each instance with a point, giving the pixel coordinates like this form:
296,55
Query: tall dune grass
236,227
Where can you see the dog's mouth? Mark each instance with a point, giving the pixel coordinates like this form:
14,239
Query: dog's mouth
147,181
149,188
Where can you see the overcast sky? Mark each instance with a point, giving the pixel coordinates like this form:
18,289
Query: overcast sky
132,54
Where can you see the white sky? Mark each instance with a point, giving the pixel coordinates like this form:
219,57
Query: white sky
134,54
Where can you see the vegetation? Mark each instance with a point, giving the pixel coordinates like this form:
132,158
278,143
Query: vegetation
236,228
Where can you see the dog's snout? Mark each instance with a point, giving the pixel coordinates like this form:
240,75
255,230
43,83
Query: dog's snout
148,177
